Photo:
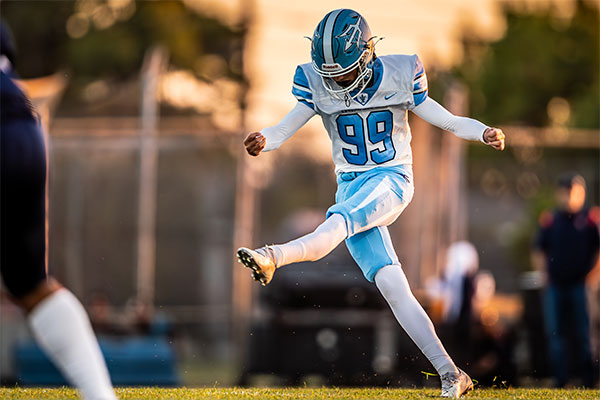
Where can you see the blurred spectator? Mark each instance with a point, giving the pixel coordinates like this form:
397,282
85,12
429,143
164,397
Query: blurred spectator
137,317
463,300
102,314
455,290
565,250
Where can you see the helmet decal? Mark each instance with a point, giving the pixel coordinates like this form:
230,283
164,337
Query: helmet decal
351,34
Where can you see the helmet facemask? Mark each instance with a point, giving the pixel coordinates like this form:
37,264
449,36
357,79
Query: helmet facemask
365,73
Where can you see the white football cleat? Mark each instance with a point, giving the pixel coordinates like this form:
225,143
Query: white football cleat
260,261
455,385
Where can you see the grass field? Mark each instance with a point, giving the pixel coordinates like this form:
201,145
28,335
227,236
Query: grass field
302,394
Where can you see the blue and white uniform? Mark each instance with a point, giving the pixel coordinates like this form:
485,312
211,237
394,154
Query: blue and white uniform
371,149
374,130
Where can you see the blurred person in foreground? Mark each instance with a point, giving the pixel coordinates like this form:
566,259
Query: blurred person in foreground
565,251
363,101
57,319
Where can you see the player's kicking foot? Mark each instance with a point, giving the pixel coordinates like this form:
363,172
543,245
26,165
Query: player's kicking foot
260,261
455,385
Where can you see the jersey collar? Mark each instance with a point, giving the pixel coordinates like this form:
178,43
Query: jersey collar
369,91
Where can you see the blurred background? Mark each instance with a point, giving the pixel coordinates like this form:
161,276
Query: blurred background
145,105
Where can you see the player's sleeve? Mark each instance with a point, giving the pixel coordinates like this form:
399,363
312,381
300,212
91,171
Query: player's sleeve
301,88
419,83
288,125
463,127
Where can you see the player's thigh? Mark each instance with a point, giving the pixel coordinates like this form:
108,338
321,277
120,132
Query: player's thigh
372,250
22,207
377,202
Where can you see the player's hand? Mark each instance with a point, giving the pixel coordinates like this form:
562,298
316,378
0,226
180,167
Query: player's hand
255,143
494,137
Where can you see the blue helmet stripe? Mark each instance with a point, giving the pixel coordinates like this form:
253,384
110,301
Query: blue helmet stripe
328,36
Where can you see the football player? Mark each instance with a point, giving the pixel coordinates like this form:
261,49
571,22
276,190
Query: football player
363,101
57,319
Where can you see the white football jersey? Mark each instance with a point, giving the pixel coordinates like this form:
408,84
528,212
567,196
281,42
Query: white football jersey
373,129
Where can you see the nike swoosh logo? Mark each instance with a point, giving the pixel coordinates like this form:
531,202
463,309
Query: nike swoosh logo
390,96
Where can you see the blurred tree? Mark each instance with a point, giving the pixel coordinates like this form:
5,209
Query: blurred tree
544,55
39,32
107,39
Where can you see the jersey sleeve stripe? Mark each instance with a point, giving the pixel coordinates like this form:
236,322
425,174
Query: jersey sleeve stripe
300,78
307,103
301,86
296,91
304,99
419,69
420,84
420,97
420,89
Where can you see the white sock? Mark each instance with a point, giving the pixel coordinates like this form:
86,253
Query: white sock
393,285
62,328
315,245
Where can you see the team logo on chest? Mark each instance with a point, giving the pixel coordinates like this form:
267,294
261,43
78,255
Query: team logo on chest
362,98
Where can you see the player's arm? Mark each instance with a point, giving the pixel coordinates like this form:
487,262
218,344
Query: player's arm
271,138
463,127
432,112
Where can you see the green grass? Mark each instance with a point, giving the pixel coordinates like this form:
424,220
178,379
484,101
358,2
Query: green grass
301,394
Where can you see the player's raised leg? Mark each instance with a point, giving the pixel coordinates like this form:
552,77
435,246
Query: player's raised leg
364,200
311,247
